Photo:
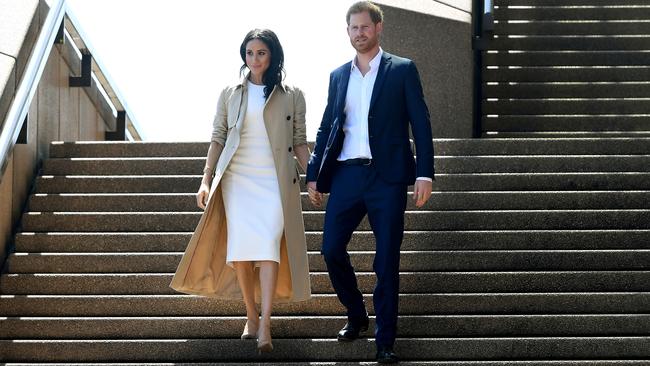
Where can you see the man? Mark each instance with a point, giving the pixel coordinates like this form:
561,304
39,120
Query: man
363,158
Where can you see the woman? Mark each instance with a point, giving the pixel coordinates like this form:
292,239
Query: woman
250,193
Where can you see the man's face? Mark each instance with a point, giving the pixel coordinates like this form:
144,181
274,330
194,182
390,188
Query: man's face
364,34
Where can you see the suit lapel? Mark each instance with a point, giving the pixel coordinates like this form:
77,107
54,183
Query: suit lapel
384,66
342,90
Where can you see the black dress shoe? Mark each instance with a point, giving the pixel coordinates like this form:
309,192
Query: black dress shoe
386,355
352,329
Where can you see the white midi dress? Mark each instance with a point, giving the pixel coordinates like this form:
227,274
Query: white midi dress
250,189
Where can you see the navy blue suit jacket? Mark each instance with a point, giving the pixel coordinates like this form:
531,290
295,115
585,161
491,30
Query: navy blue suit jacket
397,101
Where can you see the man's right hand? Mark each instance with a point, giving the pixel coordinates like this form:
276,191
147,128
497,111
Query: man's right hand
202,195
315,197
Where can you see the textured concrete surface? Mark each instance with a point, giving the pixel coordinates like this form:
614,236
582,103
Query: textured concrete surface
7,85
6,209
324,326
454,147
416,261
554,13
373,363
329,349
441,201
410,282
361,240
443,164
550,74
437,38
19,25
577,58
534,273
107,149
414,220
328,304
542,40
443,182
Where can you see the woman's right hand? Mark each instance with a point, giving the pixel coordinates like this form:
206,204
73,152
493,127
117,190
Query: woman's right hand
202,195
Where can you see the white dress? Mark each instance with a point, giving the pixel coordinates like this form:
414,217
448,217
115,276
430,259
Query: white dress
251,193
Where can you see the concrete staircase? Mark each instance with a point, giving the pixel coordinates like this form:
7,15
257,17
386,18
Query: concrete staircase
558,67
530,252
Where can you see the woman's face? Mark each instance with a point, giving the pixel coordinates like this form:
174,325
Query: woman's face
258,57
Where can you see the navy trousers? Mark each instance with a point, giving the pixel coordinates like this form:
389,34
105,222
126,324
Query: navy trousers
357,190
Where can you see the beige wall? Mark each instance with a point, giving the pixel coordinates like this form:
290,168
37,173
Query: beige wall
57,113
19,25
438,37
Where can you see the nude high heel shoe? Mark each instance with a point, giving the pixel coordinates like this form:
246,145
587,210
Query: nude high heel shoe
248,333
264,345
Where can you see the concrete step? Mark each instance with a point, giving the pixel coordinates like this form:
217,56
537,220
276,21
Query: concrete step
542,181
186,202
77,242
593,12
328,304
527,91
548,28
410,282
566,74
117,184
323,326
544,164
443,182
584,123
571,43
585,106
125,166
506,3
614,132
211,350
543,146
414,220
456,147
567,58
412,261
81,149
372,363
446,164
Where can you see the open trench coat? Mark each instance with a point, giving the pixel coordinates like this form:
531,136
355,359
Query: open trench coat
203,269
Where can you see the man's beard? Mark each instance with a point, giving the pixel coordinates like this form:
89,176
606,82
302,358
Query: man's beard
368,45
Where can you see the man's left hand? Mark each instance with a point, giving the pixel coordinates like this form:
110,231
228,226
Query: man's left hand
422,192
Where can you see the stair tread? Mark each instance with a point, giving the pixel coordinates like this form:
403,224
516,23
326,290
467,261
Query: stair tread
570,304
314,349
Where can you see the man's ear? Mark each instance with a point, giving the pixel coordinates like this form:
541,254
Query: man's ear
380,27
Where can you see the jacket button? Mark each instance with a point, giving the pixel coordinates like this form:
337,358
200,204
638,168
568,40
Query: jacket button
290,149
288,118
294,180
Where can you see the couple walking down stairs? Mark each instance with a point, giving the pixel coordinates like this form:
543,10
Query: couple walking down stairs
530,249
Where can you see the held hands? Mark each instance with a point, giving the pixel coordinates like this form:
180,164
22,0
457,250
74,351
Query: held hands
315,197
422,192
202,195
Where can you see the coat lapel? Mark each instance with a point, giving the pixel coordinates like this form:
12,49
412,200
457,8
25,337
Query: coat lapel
241,103
384,65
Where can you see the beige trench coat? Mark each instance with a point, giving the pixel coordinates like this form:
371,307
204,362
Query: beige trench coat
203,269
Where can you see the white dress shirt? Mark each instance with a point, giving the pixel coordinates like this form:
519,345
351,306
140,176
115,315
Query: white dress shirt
357,103
356,143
